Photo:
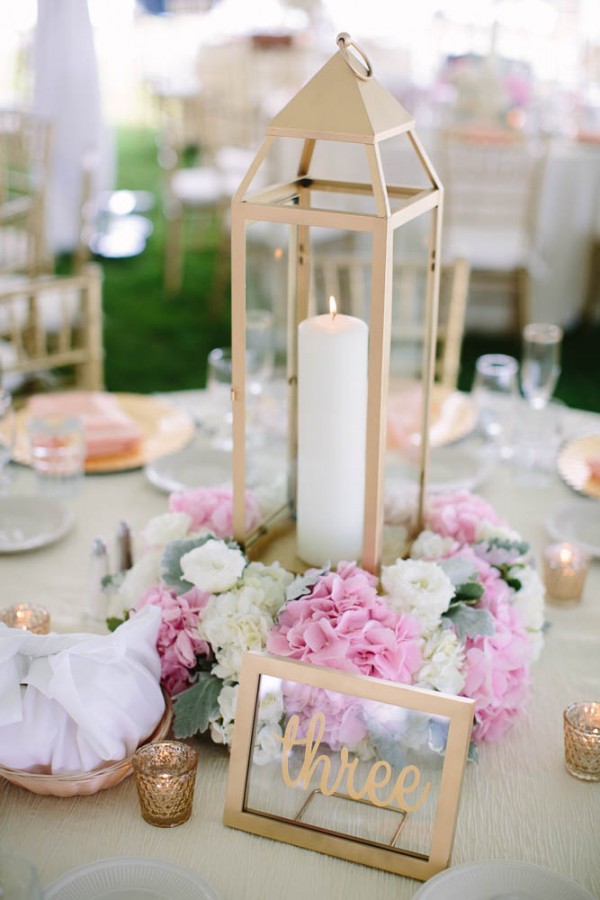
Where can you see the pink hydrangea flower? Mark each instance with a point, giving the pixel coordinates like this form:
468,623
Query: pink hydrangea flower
458,515
212,508
178,641
344,724
497,676
342,623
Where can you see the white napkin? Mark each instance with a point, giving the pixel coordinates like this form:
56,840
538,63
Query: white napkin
74,702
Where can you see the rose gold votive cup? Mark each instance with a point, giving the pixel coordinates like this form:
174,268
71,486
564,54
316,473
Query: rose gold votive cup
582,740
165,776
26,616
565,571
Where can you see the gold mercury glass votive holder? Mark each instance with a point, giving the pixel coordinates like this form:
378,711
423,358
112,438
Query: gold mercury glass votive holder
165,776
582,740
27,616
565,571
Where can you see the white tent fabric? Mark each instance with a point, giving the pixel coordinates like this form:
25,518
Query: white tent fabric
67,91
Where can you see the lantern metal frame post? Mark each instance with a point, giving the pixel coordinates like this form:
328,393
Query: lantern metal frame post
309,116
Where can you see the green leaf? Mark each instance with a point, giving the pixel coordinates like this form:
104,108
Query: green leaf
469,591
470,622
458,570
195,707
113,622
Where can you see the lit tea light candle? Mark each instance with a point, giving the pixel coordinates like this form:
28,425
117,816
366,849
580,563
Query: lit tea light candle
332,430
28,617
581,723
565,570
165,776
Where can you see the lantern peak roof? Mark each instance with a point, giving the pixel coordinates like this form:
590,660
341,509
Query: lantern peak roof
341,103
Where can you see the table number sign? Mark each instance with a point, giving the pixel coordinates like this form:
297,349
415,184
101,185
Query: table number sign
355,767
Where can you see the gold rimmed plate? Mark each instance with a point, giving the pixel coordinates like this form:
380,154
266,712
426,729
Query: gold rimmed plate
165,428
573,465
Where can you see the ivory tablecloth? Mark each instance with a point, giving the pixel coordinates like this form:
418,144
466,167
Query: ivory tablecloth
518,802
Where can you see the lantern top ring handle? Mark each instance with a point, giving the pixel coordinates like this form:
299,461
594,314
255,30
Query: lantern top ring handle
344,42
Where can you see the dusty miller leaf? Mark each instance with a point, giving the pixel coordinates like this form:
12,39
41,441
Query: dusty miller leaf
196,706
303,584
470,622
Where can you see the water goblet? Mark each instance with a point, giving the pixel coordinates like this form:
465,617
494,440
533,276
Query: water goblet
495,391
540,365
218,387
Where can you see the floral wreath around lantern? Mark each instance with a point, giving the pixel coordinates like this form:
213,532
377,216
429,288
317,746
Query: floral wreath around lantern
462,614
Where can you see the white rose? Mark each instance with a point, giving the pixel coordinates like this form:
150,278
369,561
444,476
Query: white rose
169,527
430,545
213,567
142,575
443,663
270,708
417,587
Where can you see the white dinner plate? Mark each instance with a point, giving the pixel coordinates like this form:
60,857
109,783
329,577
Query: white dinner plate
578,522
27,523
189,468
500,878
126,878
454,467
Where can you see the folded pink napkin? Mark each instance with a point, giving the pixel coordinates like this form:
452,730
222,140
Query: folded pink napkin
75,702
107,428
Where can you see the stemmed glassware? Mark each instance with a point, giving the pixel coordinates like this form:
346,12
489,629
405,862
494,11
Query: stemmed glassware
538,429
540,364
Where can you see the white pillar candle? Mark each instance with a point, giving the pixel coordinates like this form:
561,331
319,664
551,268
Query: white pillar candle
332,427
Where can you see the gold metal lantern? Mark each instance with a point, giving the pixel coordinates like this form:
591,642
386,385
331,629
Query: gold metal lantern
342,114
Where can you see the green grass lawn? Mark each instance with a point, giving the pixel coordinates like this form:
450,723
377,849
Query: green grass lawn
155,343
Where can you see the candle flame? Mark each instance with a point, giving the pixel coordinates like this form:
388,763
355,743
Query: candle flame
332,307
278,253
565,555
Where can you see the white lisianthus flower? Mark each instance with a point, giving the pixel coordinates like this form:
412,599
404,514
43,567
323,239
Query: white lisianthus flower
430,545
221,734
270,708
227,701
487,531
418,587
169,527
529,601
267,745
213,567
142,575
443,663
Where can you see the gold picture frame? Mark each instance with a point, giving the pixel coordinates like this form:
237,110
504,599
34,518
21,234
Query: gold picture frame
355,767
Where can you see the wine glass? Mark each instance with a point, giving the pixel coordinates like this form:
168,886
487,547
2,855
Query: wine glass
540,365
494,392
7,437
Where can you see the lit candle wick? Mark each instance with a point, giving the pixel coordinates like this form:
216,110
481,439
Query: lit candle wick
332,307
565,555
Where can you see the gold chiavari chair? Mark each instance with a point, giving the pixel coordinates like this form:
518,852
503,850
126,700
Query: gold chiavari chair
24,162
348,276
53,324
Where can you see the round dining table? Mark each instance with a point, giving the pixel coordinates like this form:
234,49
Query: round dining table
518,801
